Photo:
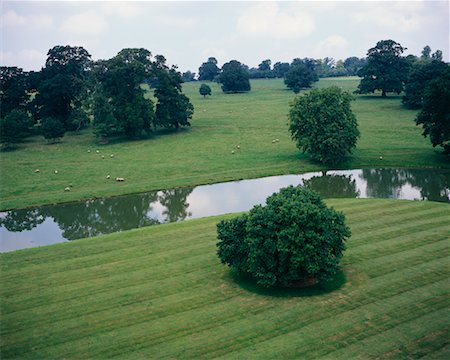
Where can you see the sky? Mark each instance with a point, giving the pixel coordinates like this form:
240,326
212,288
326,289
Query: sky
187,33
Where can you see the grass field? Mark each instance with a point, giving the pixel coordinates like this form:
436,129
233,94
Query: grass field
161,292
202,154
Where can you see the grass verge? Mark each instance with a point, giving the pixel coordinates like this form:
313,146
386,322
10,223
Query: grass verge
161,292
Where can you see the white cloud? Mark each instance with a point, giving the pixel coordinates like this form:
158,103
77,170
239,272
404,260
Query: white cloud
123,9
87,23
403,16
268,20
28,59
33,22
334,44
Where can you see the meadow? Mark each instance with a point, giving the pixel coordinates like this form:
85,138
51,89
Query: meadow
203,153
161,292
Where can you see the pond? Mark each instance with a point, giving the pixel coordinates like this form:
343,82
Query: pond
32,227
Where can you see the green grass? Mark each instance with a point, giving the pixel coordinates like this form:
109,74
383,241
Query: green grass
202,154
161,292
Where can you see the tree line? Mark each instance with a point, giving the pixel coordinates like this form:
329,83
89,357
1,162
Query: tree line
72,91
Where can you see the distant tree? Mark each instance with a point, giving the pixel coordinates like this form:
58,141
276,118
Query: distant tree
421,74
323,124
437,55
119,81
265,65
293,240
386,69
14,127
173,108
204,90
354,64
324,67
13,89
188,76
62,84
301,74
426,52
435,114
105,123
208,70
52,129
280,69
234,77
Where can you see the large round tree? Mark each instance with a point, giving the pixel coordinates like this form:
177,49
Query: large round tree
295,239
234,77
323,124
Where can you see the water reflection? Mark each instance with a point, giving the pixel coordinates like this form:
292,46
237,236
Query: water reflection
51,224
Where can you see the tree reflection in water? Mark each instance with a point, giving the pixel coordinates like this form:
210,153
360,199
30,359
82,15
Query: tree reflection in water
333,186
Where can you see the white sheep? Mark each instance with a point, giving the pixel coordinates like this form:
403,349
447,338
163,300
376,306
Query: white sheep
120,179
112,155
108,176
239,146
67,188
56,171
103,156
37,170
232,151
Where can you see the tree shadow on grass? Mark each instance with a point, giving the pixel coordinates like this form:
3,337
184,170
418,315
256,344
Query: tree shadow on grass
248,283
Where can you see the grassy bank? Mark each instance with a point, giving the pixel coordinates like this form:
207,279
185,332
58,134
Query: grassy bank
202,154
162,293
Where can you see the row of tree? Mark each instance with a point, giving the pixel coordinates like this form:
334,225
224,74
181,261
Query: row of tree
71,90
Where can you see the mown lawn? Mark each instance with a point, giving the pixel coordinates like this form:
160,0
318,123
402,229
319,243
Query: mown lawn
202,153
161,292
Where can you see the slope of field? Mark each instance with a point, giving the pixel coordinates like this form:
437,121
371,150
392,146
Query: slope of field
161,292
203,153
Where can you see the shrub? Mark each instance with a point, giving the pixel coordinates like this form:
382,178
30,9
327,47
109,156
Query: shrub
295,237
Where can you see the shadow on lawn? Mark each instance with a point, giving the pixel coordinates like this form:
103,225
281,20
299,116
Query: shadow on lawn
249,284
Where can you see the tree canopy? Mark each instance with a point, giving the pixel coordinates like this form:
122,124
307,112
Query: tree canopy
208,70
435,114
386,70
234,77
323,125
301,74
204,90
292,239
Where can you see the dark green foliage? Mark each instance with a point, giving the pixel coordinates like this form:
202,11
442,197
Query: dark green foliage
302,73
62,83
188,76
204,90
435,114
124,111
14,127
354,64
421,74
323,124
13,86
52,129
386,69
234,77
280,69
173,108
208,70
291,239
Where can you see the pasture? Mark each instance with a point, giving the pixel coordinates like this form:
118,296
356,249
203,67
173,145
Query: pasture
203,153
161,292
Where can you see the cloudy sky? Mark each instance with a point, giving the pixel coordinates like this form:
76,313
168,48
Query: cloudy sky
188,32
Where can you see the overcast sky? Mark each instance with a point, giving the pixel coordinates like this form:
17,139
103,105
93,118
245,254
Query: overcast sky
188,32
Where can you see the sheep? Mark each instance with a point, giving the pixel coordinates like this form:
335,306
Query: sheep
274,141
37,170
112,155
108,176
103,156
89,151
120,179
381,158
67,188
56,171
98,152
239,146
232,151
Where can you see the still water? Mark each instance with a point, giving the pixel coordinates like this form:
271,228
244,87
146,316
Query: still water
51,224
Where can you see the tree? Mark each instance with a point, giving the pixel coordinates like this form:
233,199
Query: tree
280,69
14,127
234,77
119,80
13,89
386,69
426,52
188,76
301,75
353,65
52,129
173,108
323,124
105,123
208,70
421,74
204,90
293,240
62,84
435,114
